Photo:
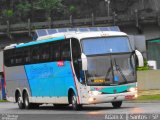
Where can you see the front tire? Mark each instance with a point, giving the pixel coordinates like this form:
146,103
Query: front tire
75,105
117,104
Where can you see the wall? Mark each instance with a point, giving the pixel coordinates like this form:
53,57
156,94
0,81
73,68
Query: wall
149,31
148,80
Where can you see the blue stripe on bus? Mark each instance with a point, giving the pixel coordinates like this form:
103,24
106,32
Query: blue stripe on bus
49,79
40,41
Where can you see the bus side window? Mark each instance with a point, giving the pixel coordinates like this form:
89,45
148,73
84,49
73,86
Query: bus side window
18,56
8,57
12,57
65,50
45,52
35,54
55,51
26,56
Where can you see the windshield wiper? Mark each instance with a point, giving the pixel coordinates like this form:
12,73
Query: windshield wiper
120,71
111,68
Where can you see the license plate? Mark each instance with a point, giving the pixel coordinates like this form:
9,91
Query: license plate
129,97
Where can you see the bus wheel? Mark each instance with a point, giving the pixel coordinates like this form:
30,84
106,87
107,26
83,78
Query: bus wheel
27,105
20,102
117,104
75,105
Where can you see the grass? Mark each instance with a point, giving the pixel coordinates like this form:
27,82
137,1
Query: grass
149,97
3,101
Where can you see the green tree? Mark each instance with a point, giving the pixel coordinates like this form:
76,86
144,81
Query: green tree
72,9
49,6
23,9
7,14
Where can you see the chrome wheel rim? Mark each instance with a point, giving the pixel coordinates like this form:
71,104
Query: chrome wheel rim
19,101
74,101
26,102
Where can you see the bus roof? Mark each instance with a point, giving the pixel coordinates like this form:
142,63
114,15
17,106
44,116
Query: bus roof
45,32
70,34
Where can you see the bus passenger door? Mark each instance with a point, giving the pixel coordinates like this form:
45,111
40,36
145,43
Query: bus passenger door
77,63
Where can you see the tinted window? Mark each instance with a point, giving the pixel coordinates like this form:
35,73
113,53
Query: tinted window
26,55
55,50
45,52
76,51
18,56
65,50
35,53
76,54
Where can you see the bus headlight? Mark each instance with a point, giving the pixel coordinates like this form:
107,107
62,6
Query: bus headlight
95,93
132,89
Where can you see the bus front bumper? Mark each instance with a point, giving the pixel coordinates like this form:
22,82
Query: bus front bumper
104,98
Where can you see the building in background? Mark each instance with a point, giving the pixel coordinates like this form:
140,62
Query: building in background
153,51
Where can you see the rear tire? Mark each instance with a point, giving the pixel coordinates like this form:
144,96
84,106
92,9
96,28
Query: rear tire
75,105
117,104
20,102
27,104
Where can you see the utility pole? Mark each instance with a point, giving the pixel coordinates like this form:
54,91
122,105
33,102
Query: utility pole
108,7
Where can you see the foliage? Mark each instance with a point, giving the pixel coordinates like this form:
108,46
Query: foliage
36,10
49,5
7,13
145,67
23,9
72,9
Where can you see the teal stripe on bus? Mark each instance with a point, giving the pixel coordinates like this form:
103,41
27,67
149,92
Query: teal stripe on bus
118,89
40,42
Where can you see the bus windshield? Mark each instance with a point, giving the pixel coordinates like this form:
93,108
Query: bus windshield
111,69
110,61
92,46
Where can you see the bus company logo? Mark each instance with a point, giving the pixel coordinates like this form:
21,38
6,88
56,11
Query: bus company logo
60,63
97,89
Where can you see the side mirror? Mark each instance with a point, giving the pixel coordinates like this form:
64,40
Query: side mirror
84,61
139,58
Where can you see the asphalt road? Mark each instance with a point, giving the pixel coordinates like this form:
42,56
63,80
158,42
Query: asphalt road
89,112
